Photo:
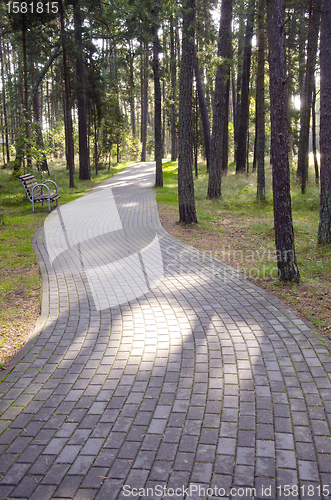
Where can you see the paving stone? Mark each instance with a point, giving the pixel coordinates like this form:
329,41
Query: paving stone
157,364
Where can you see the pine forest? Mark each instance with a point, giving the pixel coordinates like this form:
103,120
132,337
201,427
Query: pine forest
235,83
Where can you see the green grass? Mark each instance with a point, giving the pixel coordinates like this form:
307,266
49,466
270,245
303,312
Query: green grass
20,282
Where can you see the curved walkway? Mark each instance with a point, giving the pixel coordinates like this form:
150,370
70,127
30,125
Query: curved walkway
157,371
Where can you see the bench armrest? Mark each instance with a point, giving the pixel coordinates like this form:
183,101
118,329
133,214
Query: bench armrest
49,180
37,185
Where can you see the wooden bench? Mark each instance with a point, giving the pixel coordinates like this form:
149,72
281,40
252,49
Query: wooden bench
35,191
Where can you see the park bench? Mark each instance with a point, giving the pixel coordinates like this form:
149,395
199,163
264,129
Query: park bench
35,191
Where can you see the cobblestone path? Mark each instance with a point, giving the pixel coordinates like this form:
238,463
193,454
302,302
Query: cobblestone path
156,371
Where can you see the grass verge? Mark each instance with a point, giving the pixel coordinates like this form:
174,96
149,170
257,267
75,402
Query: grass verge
20,281
239,230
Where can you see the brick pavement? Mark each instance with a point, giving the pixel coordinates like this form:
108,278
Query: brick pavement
155,366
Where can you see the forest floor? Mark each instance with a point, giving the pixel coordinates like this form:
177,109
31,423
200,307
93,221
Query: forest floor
235,230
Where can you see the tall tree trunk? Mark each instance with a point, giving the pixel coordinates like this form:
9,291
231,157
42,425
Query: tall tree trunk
186,199
244,105
19,149
284,234
157,99
84,157
225,148
203,111
173,92
96,137
313,31
131,93
41,164
4,102
260,115
313,133
144,111
237,101
324,230
220,102
70,152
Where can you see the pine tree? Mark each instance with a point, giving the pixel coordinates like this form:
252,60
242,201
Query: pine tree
324,230
220,101
186,198
284,235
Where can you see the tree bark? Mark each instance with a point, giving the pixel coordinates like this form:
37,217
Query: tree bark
220,102
244,105
284,234
41,164
4,102
70,153
260,115
173,127
26,104
144,110
324,230
84,157
157,100
313,31
203,111
186,199
237,98
131,93
313,133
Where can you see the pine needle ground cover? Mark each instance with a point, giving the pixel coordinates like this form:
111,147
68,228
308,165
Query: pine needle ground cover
238,230
20,281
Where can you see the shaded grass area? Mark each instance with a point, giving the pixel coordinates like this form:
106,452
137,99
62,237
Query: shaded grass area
239,230
20,281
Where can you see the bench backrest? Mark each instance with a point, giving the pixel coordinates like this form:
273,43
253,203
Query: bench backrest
28,181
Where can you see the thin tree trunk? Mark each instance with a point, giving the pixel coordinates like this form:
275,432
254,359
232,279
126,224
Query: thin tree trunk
260,115
244,106
70,153
4,102
186,199
225,148
157,99
84,157
173,92
26,106
284,234
313,31
131,94
237,102
203,111
313,133
41,165
324,229
145,105
95,141
220,102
